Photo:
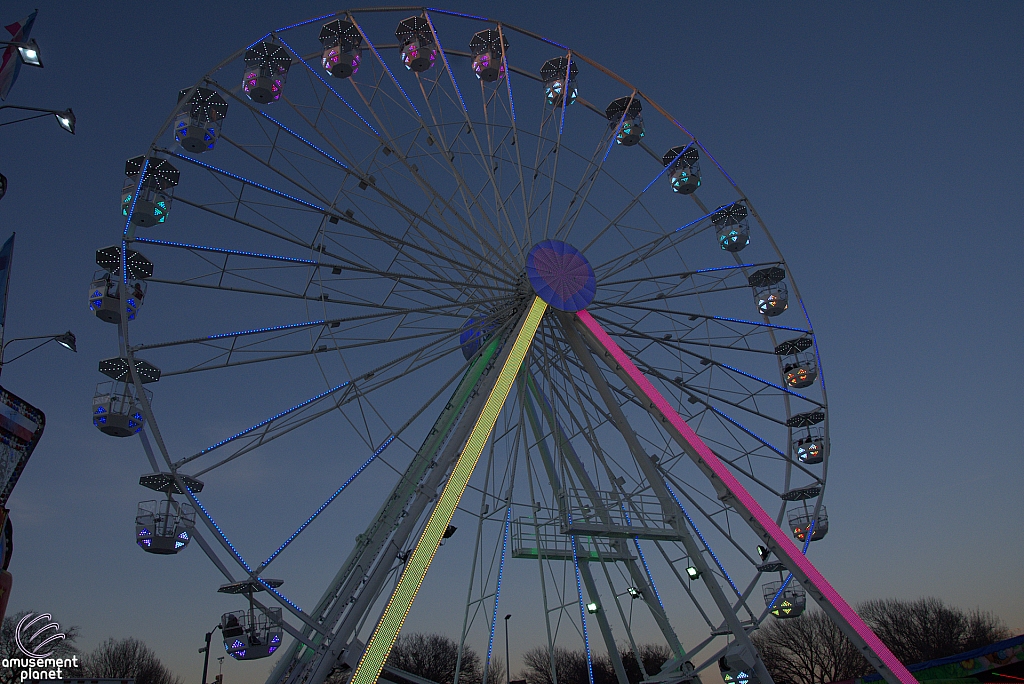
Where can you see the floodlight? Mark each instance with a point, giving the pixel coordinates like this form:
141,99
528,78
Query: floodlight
633,592
591,607
763,552
67,340
30,53
692,572
66,119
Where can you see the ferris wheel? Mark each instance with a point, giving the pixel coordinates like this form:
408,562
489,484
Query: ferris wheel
457,275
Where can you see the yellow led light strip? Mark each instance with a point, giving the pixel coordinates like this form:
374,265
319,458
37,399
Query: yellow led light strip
384,636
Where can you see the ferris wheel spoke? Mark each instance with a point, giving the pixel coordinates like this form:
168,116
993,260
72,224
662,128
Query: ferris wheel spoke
396,435
467,221
630,332
500,205
354,393
367,182
342,265
471,199
597,170
226,354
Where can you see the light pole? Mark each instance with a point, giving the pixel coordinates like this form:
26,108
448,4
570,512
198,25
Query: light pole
206,650
65,117
66,340
508,663
29,52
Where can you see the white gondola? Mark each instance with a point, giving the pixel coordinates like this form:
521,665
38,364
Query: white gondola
731,226
800,370
106,287
790,603
342,43
624,117
559,76
770,291
116,410
164,527
800,522
811,446
197,124
266,70
105,297
252,634
488,48
684,169
154,187
419,51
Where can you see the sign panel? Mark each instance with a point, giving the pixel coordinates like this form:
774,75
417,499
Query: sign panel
21,426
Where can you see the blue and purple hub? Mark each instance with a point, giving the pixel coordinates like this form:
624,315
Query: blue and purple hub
561,275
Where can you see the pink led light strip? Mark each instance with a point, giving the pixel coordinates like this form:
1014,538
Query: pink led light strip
784,546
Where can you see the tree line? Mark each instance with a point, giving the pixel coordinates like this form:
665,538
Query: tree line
115,658
808,649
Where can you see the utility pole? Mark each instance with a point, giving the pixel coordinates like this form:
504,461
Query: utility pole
508,663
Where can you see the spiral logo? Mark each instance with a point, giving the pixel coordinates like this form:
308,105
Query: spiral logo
33,637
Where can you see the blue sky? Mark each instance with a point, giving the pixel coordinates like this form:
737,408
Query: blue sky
882,144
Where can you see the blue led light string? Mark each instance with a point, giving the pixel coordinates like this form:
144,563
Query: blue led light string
817,354
221,250
758,324
456,14
747,430
724,268
767,382
705,216
265,188
583,611
127,228
712,158
611,143
257,41
329,86
497,590
278,594
308,21
647,569
388,69
704,541
327,503
254,331
138,191
268,420
296,135
508,74
561,125
667,167
223,536
446,64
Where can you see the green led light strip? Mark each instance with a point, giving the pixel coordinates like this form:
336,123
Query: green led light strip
384,636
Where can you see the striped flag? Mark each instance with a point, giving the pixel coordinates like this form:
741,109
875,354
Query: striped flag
11,60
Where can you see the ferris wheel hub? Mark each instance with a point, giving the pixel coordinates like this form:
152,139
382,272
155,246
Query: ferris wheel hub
561,275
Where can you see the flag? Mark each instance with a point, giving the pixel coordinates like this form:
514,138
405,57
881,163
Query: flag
11,61
5,278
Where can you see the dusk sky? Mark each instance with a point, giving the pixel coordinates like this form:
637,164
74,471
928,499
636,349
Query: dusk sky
882,143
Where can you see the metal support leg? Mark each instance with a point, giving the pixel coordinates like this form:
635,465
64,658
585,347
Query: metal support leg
880,657
386,632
